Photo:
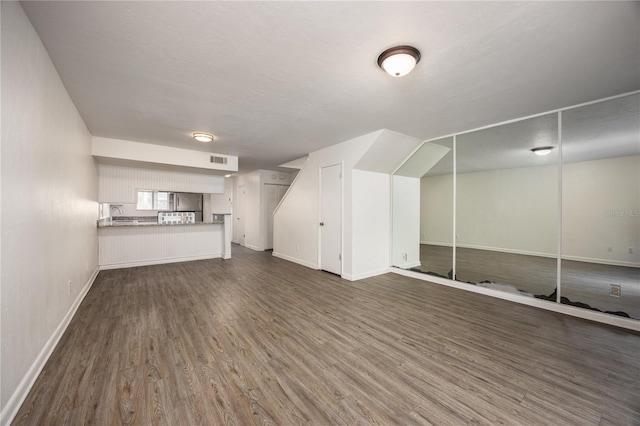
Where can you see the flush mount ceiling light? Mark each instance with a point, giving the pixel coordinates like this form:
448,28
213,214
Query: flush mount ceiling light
202,137
399,60
543,150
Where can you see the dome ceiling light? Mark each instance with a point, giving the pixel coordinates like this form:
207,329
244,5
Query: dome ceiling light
398,61
543,150
202,137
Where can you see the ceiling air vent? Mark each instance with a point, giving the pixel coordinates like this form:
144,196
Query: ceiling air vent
218,160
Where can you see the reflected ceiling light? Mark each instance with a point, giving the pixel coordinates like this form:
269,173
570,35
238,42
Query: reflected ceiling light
399,60
543,150
202,137
228,175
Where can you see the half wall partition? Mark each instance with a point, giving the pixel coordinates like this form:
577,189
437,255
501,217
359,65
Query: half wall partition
562,227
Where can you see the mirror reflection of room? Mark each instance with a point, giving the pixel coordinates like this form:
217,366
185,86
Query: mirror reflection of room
507,207
601,206
498,204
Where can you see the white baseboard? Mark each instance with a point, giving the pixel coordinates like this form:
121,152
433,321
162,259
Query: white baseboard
252,247
574,311
508,250
160,261
534,253
602,261
409,265
436,243
363,275
295,260
10,410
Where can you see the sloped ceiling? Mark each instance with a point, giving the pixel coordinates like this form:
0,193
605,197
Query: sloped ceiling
277,80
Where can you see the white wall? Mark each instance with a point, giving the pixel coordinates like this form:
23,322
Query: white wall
436,210
406,221
511,209
157,154
223,203
371,228
49,208
296,219
516,210
601,208
118,184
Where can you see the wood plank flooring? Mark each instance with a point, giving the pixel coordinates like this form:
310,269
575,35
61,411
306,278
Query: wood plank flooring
581,281
259,340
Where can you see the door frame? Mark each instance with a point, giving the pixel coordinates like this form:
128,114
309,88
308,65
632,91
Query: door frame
319,234
239,215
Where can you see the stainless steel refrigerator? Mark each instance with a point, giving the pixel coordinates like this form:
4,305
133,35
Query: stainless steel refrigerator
188,202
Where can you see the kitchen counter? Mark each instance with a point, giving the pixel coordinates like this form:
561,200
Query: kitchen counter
125,243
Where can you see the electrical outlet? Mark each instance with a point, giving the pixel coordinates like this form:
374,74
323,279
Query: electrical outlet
615,290
69,284
631,250
404,256
422,234
610,249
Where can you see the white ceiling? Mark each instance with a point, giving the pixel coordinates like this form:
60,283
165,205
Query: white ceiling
277,80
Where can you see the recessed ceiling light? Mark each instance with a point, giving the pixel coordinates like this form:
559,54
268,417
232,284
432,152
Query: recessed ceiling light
399,60
542,150
202,137
228,175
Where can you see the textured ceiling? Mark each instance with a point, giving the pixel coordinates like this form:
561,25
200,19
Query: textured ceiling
277,80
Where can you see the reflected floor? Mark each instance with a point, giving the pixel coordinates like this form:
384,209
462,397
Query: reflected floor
581,281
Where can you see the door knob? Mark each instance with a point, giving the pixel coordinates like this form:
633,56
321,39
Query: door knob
321,223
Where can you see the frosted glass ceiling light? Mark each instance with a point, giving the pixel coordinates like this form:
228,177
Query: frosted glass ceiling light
543,150
399,60
202,137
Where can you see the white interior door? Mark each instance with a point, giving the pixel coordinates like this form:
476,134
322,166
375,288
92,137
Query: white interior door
240,216
272,196
331,219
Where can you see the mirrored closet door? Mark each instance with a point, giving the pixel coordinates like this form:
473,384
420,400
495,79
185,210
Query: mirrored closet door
546,207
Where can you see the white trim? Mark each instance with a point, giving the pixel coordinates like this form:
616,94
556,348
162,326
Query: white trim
436,243
10,410
252,247
407,265
295,260
487,248
559,215
508,250
535,253
454,255
602,261
600,317
160,261
363,275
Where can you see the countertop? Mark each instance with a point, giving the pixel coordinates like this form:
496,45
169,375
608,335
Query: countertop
123,224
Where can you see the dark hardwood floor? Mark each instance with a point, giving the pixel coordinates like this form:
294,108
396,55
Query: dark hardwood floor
259,340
